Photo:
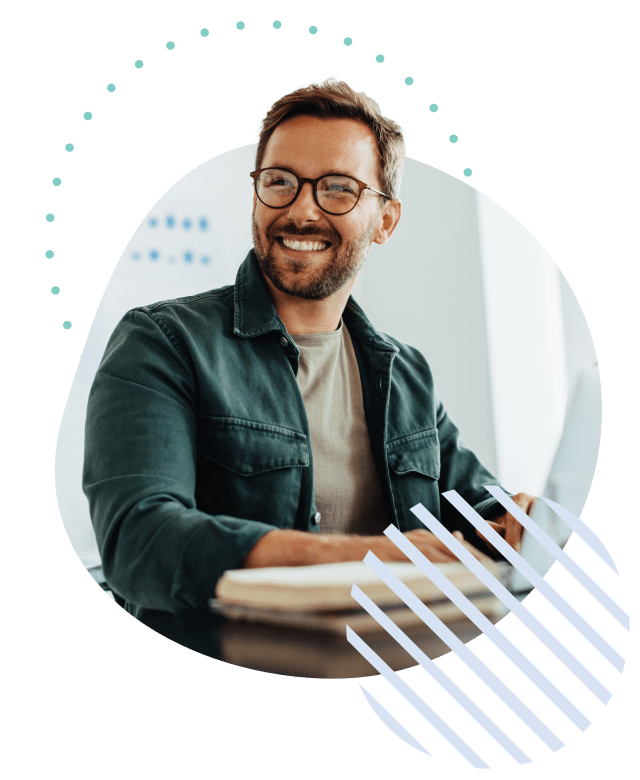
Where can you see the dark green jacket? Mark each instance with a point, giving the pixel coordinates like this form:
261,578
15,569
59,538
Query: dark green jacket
197,440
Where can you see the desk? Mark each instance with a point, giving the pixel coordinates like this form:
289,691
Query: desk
293,652
298,653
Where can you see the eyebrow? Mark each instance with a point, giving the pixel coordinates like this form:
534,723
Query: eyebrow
326,172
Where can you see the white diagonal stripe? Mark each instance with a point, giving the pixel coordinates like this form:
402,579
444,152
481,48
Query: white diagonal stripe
412,697
512,603
462,651
387,718
434,670
560,555
490,631
552,596
583,531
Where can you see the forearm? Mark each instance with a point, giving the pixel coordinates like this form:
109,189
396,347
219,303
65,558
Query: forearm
283,547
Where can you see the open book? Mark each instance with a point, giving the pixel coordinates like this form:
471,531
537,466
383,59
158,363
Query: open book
319,597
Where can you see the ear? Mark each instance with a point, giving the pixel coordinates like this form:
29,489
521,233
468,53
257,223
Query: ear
387,221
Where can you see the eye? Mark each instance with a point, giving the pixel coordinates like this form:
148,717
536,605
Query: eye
278,180
338,188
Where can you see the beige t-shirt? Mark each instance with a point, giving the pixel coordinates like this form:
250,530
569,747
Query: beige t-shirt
347,489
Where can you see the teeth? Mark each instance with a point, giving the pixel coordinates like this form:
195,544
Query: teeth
304,246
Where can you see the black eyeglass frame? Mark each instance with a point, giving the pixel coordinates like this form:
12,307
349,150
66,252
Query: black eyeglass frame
314,183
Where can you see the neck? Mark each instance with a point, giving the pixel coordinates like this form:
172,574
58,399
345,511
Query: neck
302,316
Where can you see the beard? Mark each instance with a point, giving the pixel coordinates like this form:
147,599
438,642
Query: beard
344,263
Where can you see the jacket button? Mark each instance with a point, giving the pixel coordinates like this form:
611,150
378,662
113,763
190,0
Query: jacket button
317,517
284,342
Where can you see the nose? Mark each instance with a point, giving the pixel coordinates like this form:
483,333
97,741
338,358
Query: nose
304,208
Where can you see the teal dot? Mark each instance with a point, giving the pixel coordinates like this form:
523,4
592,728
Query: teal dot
69,147
88,114
170,45
453,139
277,25
313,30
240,25
380,58
55,290
50,217
408,80
204,32
111,87
57,182
433,108
348,41
139,63
66,324
467,171
48,254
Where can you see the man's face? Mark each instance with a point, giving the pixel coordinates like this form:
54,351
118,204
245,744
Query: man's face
310,148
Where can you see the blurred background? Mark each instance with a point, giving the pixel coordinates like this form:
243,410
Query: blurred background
460,279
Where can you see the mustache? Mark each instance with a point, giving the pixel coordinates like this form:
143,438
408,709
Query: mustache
292,230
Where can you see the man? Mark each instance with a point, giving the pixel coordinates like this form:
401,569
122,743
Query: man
269,423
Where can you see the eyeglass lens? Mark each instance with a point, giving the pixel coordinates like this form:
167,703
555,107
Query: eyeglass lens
335,194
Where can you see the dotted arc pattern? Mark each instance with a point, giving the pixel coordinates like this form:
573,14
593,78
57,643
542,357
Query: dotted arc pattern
204,33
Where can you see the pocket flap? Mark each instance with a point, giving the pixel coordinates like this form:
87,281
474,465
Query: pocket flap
418,452
247,447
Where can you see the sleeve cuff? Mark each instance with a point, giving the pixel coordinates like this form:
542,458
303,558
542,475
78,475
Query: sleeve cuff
197,576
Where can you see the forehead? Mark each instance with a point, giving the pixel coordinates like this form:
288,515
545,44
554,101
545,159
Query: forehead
312,147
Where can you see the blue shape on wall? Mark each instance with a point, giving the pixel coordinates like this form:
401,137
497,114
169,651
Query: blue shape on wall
188,257
171,221
154,254
186,224
153,222
203,224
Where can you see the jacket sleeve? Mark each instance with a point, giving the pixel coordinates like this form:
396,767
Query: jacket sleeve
460,470
158,550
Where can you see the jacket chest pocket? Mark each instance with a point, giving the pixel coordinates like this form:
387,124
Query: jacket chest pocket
249,470
414,469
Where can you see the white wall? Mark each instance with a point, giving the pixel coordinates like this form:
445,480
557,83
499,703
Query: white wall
539,344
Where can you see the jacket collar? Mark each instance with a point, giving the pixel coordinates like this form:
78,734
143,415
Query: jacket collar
360,327
255,314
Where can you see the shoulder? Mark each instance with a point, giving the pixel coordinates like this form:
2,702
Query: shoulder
200,302
183,322
188,312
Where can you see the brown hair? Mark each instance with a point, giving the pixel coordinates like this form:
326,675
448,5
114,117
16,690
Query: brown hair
333,98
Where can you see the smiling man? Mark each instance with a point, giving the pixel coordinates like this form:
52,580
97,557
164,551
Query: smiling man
269,423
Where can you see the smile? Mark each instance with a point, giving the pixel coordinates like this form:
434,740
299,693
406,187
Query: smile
304,246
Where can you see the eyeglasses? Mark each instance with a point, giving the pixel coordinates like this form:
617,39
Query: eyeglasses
334,193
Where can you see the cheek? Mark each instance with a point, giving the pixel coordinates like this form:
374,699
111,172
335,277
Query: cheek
354,229
260,219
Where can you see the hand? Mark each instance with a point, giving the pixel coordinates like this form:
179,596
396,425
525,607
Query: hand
431,547
507,525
